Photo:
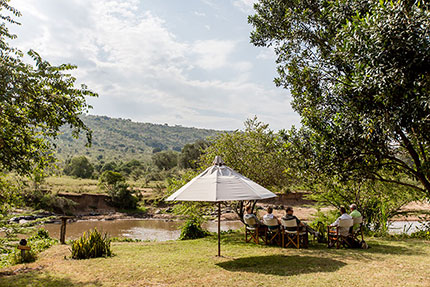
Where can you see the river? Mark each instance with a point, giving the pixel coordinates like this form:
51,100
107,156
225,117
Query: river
162,230
147,229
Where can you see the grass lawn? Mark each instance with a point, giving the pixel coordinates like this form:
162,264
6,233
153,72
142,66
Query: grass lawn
193,263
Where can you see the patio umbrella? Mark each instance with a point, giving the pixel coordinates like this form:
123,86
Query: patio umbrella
220,183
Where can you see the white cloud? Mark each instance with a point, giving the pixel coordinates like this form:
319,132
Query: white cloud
200,14
246,6
267,54
212,54
143,71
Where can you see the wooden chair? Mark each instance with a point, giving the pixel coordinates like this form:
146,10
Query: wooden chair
358,232
293,237
273,231
253,229
338,235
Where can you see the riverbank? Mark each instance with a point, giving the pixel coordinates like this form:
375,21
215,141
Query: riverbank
96,206
193,263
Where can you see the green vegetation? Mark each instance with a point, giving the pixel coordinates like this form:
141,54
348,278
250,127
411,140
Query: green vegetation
191,153
92,244
192,229
193,263
358,74
165,160
123,140
79,167
36,100
253,152
38,242
119,191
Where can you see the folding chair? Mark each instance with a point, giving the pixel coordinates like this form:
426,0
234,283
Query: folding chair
293,237
358,232
273,231
338,235
253,229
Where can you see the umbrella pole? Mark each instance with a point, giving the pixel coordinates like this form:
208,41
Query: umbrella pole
219,229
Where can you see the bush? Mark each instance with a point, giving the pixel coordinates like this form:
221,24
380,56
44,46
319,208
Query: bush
38,242
40,199
122,196
91,245
41,240
111,177
16,258
80,167
192,230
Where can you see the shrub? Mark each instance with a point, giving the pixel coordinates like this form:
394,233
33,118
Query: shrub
122,196
192,230
92,244
41,240
38,242
43,199
80,167
16,258
111,177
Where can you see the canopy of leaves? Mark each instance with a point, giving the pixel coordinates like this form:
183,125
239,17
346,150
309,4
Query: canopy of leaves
359,73
165,160
190,154
80,167
254,152
35,101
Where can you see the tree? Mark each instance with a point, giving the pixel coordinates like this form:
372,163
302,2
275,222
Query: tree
79,166
36,100
109,177
255,152
165,160
120,192
359,74
190,154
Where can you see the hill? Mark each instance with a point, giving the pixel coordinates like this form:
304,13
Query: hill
123,140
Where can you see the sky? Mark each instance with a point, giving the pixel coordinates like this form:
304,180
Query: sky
186,63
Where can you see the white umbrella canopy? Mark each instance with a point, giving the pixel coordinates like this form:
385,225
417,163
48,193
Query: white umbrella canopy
220,183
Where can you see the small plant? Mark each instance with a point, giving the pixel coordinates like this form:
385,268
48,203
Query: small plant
16,256
192,229
41,233
92,244
424,232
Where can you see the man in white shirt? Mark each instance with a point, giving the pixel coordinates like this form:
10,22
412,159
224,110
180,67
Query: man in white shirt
269,217
344,231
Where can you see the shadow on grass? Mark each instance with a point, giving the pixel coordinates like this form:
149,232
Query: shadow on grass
42,280
282,265
377,246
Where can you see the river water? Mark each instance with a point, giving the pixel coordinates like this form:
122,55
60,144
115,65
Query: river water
147,229
162,230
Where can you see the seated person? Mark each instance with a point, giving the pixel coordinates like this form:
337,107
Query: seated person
304,227
289,216
342,231
354,214
269,216
249,215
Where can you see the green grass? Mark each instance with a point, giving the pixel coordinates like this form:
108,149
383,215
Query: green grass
193,263
69,184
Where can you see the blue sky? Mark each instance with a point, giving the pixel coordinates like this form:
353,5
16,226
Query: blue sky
162,61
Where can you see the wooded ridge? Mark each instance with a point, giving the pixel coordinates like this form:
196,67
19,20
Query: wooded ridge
123,139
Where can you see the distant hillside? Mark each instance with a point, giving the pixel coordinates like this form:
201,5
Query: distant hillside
123,140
